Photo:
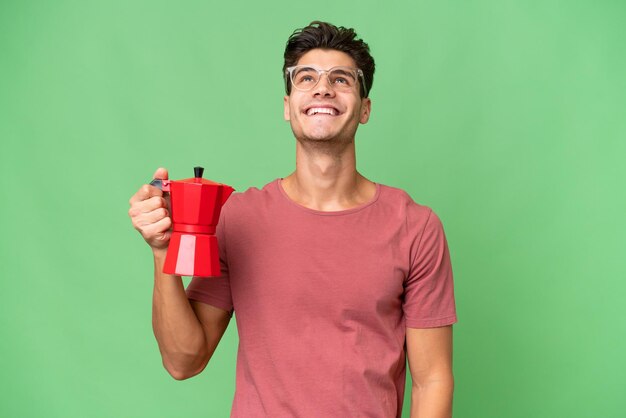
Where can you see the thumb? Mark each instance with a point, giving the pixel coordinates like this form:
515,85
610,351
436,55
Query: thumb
160,174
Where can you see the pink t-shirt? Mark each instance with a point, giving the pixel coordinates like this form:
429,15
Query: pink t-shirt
322,300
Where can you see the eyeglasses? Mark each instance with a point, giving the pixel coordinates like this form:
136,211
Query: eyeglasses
305,77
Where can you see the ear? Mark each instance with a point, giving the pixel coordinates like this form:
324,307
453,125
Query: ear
286,108
366,108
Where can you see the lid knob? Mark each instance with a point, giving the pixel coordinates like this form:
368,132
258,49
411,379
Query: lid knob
197,172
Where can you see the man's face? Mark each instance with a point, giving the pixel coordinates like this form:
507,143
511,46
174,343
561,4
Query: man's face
343,110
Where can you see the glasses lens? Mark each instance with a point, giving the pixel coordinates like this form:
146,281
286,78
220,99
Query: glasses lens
344,78
341,78
304,78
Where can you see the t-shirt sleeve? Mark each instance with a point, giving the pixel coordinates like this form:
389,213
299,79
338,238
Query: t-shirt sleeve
214,291
429,290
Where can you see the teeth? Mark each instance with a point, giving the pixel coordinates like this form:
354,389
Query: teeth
325,110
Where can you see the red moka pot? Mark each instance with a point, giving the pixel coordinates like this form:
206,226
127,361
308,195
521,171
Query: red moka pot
195,206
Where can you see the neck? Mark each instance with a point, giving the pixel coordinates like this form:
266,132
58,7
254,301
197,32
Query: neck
326,178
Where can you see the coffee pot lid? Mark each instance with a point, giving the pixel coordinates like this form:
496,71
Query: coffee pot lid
198,171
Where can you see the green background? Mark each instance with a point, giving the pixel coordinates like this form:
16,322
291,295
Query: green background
506,117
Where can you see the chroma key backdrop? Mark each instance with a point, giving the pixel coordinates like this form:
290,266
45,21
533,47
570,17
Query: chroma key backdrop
508,118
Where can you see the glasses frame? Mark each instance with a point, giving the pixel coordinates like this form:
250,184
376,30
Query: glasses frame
290,70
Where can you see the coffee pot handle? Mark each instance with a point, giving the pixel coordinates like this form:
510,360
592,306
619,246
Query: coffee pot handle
161,184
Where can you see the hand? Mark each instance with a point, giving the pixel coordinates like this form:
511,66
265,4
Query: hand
150,215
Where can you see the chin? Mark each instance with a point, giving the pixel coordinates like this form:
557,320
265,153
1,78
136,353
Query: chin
321,134
325,140
319,137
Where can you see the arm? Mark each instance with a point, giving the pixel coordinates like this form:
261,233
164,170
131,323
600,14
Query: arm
187,333
429,352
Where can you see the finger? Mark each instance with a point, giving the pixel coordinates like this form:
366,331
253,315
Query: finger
144,220
145,192
160,173
146,206
154,216
157,230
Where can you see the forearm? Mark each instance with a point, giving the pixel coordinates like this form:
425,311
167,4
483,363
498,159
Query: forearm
178,331
433,399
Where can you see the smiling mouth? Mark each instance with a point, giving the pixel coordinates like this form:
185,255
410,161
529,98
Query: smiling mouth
322,111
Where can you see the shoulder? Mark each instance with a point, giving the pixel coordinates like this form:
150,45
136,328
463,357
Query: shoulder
420,223
396,200
252,198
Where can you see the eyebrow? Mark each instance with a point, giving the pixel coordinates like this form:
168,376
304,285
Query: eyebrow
343,71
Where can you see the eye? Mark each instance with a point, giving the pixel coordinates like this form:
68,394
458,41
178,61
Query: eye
305,76
342,77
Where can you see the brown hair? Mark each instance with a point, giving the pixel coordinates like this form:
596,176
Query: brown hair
327,36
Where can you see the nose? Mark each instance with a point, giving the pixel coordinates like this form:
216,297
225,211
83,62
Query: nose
323,86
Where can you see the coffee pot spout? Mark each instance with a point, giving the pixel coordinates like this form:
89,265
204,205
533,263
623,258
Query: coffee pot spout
226,192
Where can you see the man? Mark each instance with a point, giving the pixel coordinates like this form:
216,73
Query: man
335,279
